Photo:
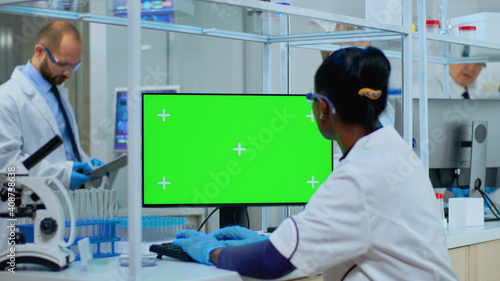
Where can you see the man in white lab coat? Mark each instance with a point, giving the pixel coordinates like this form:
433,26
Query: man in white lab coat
34,107
463,82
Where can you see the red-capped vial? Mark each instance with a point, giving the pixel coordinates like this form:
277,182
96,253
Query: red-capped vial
467,31
433,26
439,198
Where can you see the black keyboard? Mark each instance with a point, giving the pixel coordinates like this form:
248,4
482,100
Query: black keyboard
170,250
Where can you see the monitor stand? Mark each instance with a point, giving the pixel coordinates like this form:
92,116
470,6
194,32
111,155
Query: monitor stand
478,158
233,216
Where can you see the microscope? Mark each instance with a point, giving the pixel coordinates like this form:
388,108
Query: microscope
49,247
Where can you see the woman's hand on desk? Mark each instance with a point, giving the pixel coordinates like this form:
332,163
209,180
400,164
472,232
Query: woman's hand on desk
237,236
198,245
205,248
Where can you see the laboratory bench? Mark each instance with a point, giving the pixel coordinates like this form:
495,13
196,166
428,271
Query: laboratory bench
475,251
165,269
474,255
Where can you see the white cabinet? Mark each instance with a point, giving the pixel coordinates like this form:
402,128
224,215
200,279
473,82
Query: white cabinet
476,261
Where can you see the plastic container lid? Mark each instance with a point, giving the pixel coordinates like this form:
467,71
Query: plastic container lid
429,22
467,27
439,195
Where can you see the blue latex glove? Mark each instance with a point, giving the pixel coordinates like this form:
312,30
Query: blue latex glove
188,233
237,236
96,162
78,178
198,245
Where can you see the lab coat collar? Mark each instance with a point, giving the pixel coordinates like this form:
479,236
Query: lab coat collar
36,78
25,84
347,152
29,90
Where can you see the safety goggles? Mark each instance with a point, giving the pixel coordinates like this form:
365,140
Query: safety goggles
311,97
62,64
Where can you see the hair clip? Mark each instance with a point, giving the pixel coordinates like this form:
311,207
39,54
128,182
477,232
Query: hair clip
370,93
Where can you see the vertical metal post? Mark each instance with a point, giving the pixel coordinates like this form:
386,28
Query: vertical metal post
267,57
422,65
445,30
267,75
134,142
98,80
284,69
266,89
445,17
446,75
407,74
284,55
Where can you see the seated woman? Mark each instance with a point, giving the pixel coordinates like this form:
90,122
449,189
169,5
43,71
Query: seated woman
374,218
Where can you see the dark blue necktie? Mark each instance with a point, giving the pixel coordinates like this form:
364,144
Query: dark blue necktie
466,95
68,124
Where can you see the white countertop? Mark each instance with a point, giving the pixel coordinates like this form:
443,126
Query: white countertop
166,269
171,269
463,236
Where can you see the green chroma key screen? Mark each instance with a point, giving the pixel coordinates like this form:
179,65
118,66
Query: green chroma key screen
231,149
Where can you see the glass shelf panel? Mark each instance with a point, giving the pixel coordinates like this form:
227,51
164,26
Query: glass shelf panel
57,5
257,18
451,50
391,48
262,18
10,2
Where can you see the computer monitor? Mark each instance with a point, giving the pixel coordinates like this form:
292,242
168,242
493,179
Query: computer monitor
451,142
121,116
157,10
226,150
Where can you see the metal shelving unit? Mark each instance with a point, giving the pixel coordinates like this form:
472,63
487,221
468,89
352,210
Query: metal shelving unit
484,52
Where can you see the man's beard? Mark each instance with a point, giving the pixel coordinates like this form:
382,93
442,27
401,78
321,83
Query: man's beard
45,71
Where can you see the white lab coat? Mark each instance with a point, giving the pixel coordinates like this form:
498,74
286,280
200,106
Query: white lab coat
27,123
435,88
376,214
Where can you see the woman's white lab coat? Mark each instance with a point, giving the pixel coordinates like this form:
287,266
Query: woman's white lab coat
27,123
374,218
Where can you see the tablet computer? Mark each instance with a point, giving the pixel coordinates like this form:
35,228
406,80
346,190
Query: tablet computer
111,166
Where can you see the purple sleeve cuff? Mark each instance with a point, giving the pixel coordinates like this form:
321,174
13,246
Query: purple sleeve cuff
257,260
